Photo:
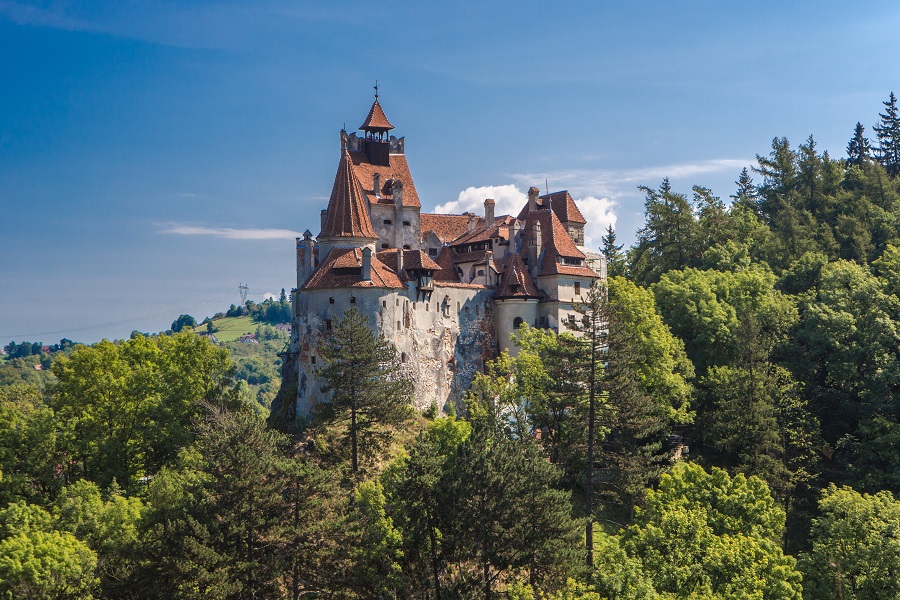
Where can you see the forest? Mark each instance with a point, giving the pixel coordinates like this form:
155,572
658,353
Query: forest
723,422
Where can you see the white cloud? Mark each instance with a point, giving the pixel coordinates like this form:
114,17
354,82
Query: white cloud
598,212
232,233
509,200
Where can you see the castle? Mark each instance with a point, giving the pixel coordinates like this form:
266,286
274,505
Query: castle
448,291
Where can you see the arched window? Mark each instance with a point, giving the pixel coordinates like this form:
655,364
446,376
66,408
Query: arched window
517,322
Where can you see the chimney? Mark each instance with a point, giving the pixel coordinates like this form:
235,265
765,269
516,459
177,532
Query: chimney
533,194
489,266
367,264
399,230
397,191
488,212
301,264
309,245
323,219
513,235
376,184
400,261
473,220
534,249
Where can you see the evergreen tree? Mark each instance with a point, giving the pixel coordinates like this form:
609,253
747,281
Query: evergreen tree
888,132
668,239
615,258
368,389
745,197
859,151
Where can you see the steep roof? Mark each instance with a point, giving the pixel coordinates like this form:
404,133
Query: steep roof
376,121
447,272
446,227
348,214
342,268
562,204
397,169
516,282
555,244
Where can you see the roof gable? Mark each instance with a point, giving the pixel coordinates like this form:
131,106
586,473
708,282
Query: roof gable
348,214
376,120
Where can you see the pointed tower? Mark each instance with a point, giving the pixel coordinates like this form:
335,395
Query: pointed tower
346,223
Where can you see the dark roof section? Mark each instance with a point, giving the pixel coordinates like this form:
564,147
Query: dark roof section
560,203
482,234
376,121
446,227
348,214
516,282
412,260
342,268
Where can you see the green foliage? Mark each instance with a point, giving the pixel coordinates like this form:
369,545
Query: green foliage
28,445
855,547
182,322
125,410
705,533
37,561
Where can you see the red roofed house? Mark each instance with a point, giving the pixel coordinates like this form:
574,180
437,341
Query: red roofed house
448,290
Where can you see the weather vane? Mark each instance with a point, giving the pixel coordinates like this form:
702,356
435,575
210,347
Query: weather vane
376,89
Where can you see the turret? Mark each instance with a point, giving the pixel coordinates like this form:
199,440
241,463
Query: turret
533,194
489,212
534,249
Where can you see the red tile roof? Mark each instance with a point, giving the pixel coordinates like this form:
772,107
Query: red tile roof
560,203
446,227
556,243
333,272
483,234
448,269
516,274
376,121
348,213
398,169
412,259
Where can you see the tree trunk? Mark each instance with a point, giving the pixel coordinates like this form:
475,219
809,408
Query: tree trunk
589,474
353,457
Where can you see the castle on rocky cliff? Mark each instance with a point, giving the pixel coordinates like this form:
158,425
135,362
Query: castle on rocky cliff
448,291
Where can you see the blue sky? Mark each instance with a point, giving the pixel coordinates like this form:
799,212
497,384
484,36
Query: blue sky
154,155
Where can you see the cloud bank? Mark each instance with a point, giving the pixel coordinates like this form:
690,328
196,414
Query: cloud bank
231,233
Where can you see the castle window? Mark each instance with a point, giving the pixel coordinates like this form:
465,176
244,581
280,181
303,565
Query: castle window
312,359
481,271
327,324
398,325
384,304
406,247
388,222
385,246
467,310
406,223
432,252
577,288
352,299
572,321
403,357
514,288
426,307
331,300
517,322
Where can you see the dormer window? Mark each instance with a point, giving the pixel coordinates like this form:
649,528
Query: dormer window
514,288
577,288
432,252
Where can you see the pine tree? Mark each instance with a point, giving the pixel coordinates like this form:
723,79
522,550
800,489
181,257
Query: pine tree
368,389
859,151
668,239
746,196
615,259
888,132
